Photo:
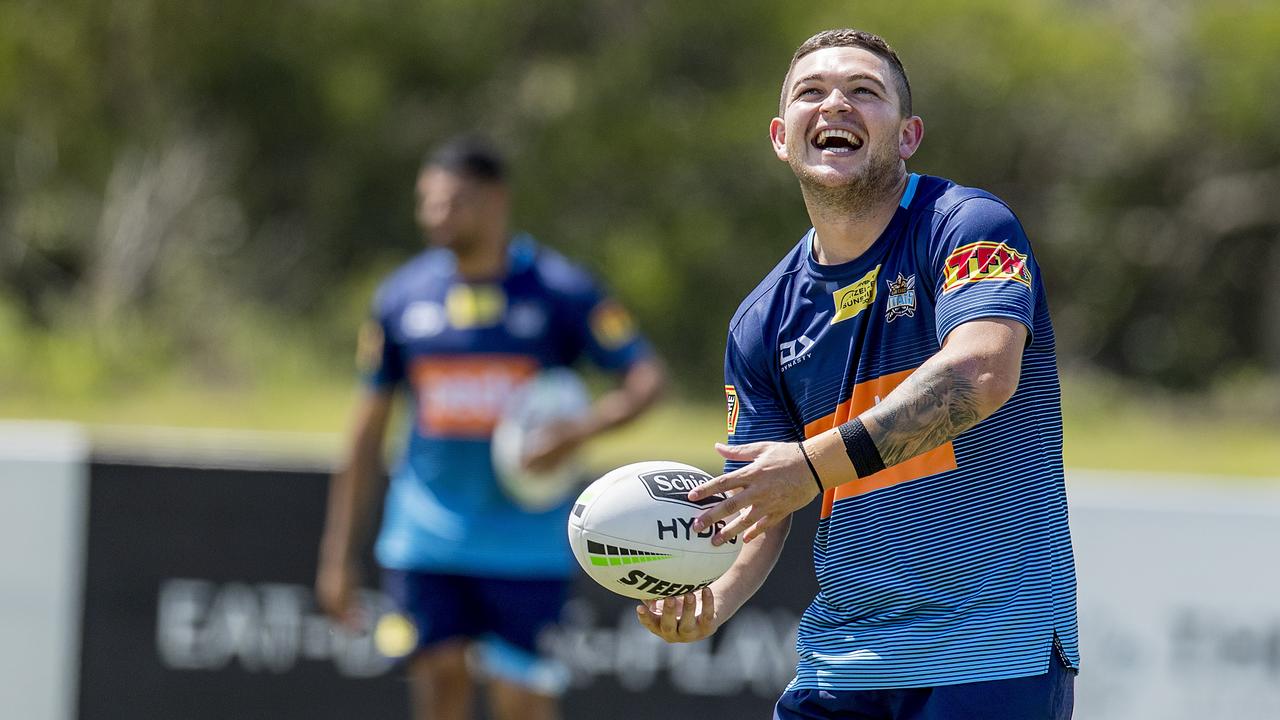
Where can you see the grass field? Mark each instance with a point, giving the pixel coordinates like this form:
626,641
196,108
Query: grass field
1105,427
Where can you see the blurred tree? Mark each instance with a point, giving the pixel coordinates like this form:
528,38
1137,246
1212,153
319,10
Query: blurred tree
198,167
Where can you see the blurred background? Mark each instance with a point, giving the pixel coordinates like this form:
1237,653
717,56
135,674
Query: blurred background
198,198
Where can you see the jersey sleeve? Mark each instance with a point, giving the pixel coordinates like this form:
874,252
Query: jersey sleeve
608,334
378,357
982,267
755,412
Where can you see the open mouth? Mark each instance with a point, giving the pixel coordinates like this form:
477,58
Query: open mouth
836,141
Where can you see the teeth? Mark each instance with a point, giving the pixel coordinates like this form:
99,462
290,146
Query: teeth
828,134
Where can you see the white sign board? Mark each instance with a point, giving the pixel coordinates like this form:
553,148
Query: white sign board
42,495
1179,589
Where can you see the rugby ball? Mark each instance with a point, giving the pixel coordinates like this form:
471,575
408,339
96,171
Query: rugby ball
632,531
554,395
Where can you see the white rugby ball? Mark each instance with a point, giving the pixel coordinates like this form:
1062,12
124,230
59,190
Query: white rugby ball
553,395
632,531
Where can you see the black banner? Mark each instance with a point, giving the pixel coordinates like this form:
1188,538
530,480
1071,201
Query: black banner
198,604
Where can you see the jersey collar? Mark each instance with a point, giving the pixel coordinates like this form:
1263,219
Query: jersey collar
863,262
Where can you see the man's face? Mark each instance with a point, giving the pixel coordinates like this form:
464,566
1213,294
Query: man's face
456,211
842,126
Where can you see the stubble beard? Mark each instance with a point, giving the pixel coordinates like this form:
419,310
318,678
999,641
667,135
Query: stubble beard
866,190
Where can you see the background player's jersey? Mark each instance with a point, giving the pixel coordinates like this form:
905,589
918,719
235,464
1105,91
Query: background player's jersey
954,566
462,348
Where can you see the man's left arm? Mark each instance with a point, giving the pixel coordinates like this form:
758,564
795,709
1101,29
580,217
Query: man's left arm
972,376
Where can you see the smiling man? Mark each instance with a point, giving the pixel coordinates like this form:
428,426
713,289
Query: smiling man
899,362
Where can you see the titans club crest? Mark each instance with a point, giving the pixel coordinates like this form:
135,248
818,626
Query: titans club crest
902,298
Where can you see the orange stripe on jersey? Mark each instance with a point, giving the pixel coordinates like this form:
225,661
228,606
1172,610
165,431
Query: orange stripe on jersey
464,395
865,396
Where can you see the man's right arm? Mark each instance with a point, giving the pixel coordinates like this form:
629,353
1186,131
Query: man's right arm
351,502
755,413
694,616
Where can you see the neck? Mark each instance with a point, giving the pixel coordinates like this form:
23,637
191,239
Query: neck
485,259
845,226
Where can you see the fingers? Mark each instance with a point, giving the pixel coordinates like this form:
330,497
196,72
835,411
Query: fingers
551,445
735,526
706,618
337,595
721,510
731,480
728,481
736,479
686,618
758,528
669,619
543,456
648,619
333,591
687,629
342,610
750,451
652,615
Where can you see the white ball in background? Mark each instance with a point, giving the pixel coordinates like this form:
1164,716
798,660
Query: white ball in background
554,395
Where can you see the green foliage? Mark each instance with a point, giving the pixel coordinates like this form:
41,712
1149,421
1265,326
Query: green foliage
191,189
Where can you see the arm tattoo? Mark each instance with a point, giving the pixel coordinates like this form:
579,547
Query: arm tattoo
931,407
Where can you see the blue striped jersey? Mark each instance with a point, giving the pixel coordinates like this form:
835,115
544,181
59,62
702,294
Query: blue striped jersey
954,566
460,349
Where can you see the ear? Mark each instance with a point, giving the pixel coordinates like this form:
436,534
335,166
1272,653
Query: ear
778,136
910,137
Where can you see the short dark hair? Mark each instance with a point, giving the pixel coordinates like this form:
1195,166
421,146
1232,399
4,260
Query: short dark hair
470,156
847,37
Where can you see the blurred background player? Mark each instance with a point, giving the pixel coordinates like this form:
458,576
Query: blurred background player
461,327
899,362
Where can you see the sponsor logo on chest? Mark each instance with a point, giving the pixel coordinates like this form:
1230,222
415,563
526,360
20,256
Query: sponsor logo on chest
464,395
475,306
855,297
791,352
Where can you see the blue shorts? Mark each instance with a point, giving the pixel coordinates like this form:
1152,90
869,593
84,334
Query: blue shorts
505,616
1044,697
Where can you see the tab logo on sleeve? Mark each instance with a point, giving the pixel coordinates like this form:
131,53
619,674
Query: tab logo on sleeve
731,407
984,260
855,297
611,325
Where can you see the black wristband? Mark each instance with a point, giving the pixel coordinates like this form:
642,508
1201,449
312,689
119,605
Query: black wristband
861,448
812,469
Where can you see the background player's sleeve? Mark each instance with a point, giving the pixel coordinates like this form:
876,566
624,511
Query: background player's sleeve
982,266
378,357
606,332
755,410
